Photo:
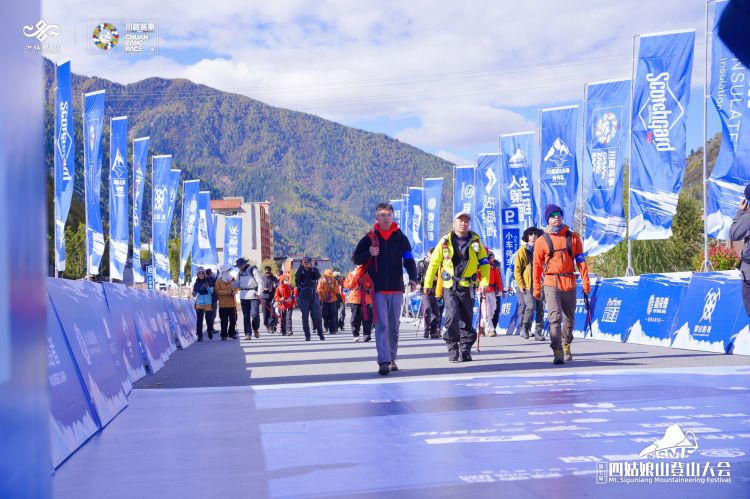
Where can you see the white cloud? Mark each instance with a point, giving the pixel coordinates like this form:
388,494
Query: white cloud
453,158
462,70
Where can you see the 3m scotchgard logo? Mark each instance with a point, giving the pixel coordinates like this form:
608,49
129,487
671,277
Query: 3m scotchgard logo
64,141
674,445
661,112
41,30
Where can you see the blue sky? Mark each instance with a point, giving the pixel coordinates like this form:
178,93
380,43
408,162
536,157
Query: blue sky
446,78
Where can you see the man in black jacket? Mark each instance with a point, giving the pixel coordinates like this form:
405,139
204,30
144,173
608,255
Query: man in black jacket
740,231
306,280
387,250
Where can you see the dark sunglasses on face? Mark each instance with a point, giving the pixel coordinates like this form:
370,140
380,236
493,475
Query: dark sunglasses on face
555,214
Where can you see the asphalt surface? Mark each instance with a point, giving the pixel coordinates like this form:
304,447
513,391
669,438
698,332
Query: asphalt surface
276,359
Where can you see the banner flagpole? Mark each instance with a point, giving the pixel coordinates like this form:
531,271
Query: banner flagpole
706,265
629,271
85,174
54,177
582,162
539,176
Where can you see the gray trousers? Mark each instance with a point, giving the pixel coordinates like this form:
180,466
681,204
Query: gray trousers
562,308
388,308
533,309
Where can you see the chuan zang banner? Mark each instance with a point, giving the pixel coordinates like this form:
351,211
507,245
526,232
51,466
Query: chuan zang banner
162,179
232,240
140,157
119,214
661,91
606,128
204,254
190,189
65,168
516,187
464,191
559,170
730,93
487,202
433,193
93,119
416,225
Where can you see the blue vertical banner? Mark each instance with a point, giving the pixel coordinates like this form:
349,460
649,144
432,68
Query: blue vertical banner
161,167
140,163
559,168
93,119
511,239
487,199
416,225
730,93
189,223
174,186
232,240
398,208
516,176
65,167
606,124
464,190
119,211
203,253
661,91
433,194
406,217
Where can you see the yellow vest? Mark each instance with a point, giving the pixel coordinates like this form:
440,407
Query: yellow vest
442,259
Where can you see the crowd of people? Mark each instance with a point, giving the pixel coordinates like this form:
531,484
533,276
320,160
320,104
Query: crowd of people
454,275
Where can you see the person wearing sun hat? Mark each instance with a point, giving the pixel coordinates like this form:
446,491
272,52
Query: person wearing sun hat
556,254
740,231
202,291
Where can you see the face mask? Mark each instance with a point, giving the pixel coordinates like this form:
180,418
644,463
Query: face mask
554,230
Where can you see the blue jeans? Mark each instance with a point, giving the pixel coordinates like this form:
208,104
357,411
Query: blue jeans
388,308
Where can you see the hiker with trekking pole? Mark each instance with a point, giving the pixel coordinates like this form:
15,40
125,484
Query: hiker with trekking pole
556,254
458,258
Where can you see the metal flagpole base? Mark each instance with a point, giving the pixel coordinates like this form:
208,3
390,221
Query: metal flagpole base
629,272
706,266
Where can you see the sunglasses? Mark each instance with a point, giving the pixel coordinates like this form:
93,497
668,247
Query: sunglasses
555,214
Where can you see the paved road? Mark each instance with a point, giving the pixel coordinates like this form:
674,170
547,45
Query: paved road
273,359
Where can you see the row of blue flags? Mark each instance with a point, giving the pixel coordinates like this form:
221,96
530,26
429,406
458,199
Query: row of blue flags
198,228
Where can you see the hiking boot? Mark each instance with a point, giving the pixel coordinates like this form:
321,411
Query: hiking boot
200,337
453,356
385,368
394,367
257,334
210,335
539,336
307,338
322,338
567,352
559,356
525,334
223,338
466,357
426,335
481,331
491,333
356,339
367,338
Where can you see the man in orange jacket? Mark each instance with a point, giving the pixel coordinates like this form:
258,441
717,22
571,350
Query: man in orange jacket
556,255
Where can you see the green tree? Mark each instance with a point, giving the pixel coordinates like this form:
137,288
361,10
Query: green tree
75,254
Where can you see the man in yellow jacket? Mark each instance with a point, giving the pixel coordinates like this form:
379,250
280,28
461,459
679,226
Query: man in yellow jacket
458,256
523,273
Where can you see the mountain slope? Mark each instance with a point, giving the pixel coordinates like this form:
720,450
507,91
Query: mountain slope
323,179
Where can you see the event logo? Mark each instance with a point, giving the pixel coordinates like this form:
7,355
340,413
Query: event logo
160,196
193,213
518,159
606,128
558,153
468,191
661,112
42,31
416,223
172,195
92,135
431,204
118,166
674,444
491,180
709,305
138,177
105,36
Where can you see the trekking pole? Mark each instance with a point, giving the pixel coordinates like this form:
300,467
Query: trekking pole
418,321
479,322
588,314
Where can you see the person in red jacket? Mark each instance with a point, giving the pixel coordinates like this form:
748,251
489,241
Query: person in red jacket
556,254
360,317
285,300
489,300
